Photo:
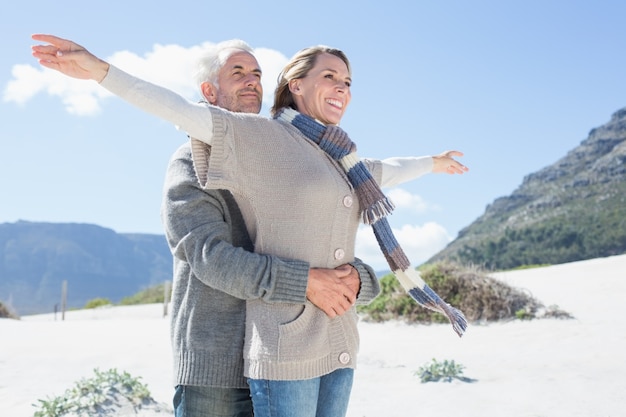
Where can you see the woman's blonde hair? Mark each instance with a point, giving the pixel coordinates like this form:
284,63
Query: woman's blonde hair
298,67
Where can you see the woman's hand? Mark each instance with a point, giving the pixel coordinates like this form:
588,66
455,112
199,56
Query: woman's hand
69,58
445,163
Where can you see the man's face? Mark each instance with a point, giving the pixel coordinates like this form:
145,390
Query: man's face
240,88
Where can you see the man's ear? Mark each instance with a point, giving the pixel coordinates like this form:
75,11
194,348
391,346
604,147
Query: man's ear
209,92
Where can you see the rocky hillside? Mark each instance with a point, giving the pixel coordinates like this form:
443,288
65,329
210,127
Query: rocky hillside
572,210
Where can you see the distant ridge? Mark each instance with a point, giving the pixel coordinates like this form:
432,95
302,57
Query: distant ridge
574,209
35,258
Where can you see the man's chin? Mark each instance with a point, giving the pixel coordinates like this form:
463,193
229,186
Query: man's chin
256,108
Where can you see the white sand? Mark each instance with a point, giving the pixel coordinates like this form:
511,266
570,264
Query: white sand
539,368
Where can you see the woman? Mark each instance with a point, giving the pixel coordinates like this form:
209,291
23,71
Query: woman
299,200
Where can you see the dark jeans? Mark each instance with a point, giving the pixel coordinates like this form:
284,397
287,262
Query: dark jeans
192,401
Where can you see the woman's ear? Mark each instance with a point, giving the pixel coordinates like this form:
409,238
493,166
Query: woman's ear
209,92
294,86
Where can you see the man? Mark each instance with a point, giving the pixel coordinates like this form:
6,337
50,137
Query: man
215,269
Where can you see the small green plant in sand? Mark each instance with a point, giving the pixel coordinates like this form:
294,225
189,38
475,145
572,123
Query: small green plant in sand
444,371
524,314
90,396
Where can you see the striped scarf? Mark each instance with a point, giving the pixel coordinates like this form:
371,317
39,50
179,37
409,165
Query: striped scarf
374,209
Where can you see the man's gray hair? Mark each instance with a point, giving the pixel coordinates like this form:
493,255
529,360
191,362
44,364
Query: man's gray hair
214,57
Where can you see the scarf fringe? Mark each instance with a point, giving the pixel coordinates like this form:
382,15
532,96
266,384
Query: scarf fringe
374,204
415,286
377,210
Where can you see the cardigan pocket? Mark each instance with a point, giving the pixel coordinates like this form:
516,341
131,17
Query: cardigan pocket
306,337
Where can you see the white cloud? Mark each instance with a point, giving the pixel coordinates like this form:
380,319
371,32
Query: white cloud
418,242
403,199
79,97
271,62
24,85
171,66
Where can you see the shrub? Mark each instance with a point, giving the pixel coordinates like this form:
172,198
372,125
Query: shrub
480,297
444,371
5,312
89,396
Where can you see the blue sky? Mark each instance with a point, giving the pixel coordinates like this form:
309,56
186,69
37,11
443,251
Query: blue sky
514,85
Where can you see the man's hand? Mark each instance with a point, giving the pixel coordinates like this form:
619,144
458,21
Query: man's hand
69,58
333,291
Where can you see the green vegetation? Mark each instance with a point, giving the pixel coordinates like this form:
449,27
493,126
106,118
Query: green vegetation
150,295
98,302
524,267
586,222
480,297
553,241
91,396
444,371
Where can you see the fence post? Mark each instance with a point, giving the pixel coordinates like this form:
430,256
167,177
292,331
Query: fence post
166,297
63,299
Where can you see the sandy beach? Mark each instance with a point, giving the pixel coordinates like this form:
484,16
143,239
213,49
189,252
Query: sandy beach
538,368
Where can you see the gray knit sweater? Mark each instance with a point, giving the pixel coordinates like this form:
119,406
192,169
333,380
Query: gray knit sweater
296,203
214,272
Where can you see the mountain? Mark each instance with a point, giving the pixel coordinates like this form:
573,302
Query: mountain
574,209
35,258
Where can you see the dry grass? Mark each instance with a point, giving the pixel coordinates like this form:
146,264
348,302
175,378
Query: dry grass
6,313
480,297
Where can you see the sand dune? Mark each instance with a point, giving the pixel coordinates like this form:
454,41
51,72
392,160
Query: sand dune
539,368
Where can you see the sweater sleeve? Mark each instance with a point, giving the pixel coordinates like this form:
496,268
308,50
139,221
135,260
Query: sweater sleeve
370,287
398,170
203,230
193,118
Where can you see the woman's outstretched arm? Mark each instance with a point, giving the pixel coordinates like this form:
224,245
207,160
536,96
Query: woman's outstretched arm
75,61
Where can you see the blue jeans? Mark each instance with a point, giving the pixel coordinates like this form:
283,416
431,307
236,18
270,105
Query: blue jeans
326,396
192,401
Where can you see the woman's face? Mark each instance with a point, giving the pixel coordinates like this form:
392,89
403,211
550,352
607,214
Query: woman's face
324,93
